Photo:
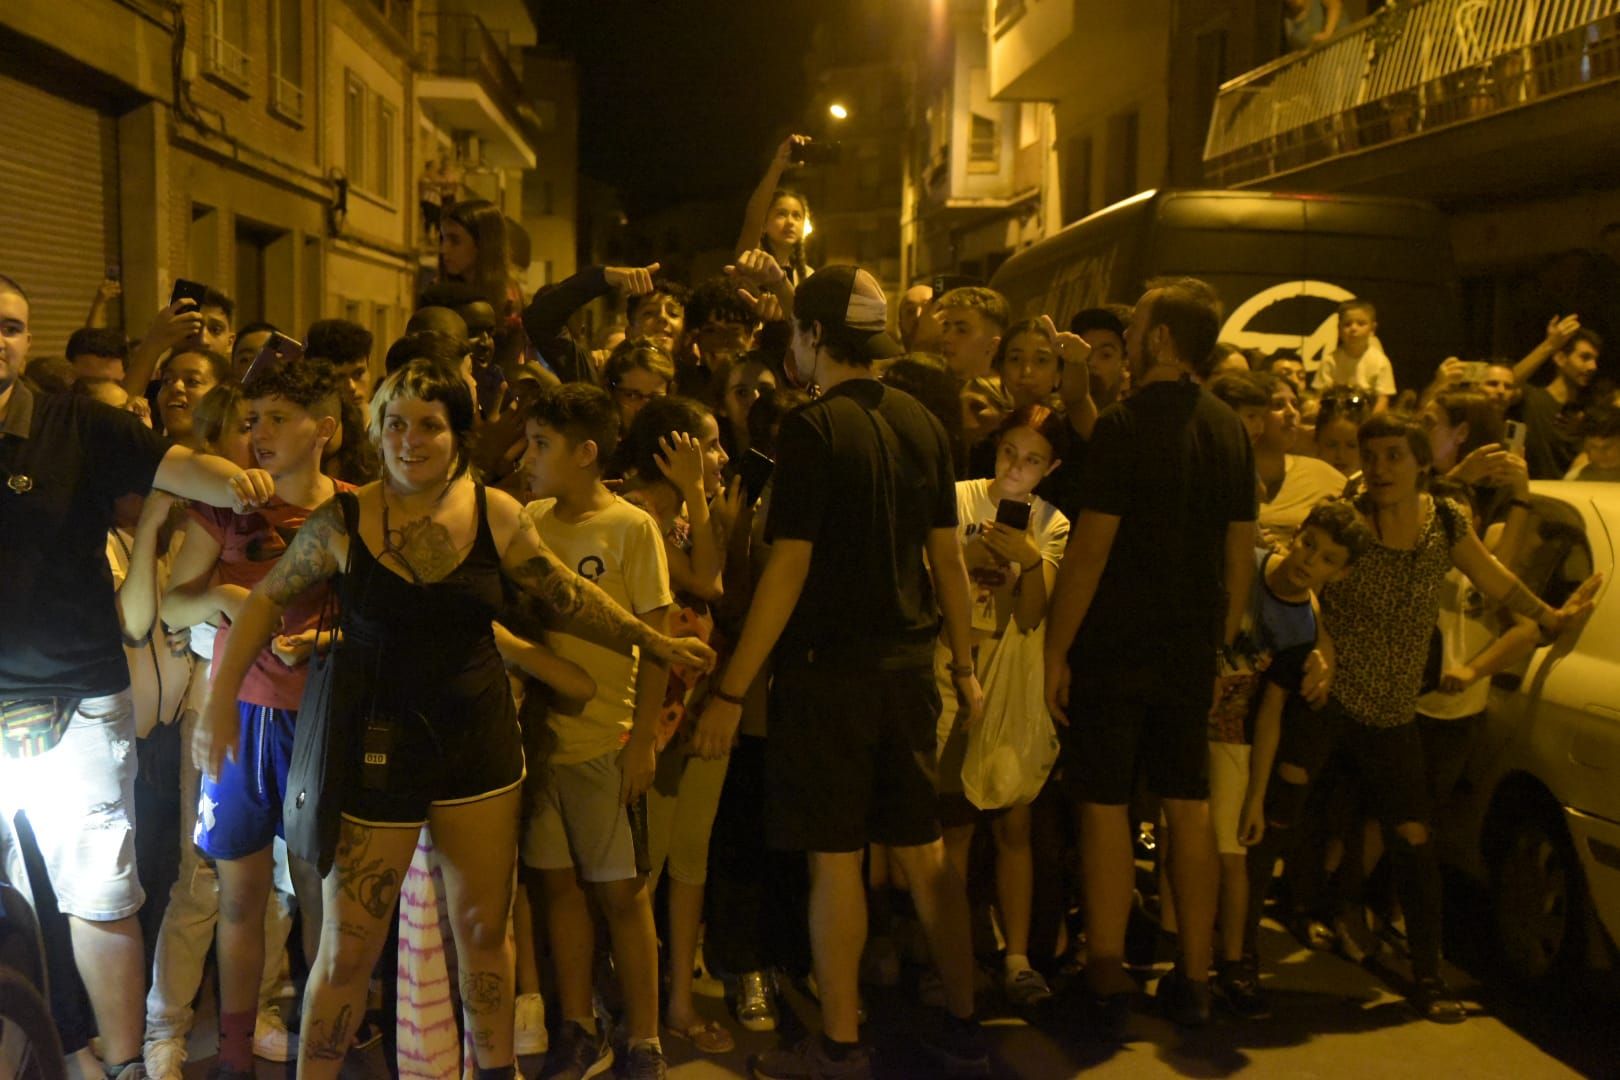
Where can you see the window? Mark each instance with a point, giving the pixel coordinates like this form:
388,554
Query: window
224,41
354,129
287,58
984,134
1119,179
383,172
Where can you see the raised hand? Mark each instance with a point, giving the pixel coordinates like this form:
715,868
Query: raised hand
784,152
631,280
756,267
178,322
680,459
1560,328
1072,350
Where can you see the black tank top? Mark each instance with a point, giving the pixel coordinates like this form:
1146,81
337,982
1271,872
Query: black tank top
432,644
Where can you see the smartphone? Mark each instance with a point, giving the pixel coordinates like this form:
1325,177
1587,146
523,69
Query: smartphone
1013,514
115,273
1514,436
755,470
827,152
1474,371
277,349
187,290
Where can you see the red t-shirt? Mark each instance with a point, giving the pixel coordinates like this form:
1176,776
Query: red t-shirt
249,545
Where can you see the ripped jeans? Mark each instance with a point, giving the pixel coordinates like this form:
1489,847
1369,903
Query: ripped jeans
80,799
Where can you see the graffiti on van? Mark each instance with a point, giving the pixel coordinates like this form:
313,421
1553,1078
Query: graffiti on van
1081,284
1255,323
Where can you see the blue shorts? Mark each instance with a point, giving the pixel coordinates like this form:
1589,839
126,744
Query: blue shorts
240,813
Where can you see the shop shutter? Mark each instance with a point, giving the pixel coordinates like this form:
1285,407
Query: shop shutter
58,206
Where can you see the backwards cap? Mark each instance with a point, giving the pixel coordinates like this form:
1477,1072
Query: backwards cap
850,306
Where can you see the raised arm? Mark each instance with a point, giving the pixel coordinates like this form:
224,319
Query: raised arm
208,479
1500,584
174,324
759,203
1560,328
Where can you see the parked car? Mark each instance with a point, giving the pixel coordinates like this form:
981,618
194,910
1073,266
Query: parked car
1281,263
1537,816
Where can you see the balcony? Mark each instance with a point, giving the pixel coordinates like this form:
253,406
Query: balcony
469,87
1429,70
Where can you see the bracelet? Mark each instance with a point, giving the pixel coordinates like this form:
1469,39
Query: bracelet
729,699
961,670
1525,503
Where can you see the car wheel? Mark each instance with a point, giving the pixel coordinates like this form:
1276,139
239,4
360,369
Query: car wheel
29,1048
1539,899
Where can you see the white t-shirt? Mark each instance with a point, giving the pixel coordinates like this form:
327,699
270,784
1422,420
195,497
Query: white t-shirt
993,586
1464,633
1371,371
1306,482
620,549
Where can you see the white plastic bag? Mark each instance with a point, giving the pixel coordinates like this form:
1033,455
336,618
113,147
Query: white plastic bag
1012,750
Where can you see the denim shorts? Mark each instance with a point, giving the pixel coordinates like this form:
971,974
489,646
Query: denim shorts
80,799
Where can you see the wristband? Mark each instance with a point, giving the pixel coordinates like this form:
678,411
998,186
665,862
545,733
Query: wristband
1525,503
961,670
729,699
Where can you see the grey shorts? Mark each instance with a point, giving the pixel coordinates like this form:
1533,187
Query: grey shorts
579,821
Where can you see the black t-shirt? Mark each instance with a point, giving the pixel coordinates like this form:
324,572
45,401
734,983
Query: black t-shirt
1551,434
864,473
63,460
1174,465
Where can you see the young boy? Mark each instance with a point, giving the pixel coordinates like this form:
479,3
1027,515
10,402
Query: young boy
1260,671
590,825
1359,360
292,413
1600,442
972,320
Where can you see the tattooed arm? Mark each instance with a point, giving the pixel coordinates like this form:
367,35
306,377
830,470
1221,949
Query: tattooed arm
1501,585
310,560
586,610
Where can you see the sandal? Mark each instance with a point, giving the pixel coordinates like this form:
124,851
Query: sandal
706,1036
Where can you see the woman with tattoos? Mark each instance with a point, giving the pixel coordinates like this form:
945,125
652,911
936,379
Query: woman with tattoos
426,549
1380,617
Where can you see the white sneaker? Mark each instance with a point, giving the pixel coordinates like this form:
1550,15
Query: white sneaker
165,1058
271,1040
529,1028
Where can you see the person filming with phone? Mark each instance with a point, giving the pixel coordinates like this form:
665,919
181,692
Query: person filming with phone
777,219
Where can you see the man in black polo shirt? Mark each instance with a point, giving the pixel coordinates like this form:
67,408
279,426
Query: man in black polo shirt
67,731
864,505
1157,570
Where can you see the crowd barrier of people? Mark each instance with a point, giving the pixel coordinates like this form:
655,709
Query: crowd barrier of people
854,651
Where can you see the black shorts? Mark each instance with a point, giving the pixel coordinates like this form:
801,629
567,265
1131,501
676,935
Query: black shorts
1137,723
1386,763
850,758
446,758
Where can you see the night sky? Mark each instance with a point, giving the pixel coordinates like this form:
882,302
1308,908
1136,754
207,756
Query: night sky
683,99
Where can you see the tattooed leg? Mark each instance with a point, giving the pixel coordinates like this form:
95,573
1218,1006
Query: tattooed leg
477,846
358,902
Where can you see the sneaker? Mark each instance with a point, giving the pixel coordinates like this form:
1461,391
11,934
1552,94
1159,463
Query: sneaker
271,1039
1183,1001
959,1048
529,1026
1027,988
577,1053
1237,987
1313,933
756,1011
642,1063
810,1060
165,1058
1434,1001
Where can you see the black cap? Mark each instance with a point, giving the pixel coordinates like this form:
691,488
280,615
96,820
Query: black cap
851,308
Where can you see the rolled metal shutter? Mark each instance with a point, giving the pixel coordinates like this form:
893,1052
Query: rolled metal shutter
59,194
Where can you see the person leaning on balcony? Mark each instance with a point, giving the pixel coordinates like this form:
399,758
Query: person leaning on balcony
1309,22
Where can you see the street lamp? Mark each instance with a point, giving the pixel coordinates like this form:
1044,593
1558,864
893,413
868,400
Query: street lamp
837,111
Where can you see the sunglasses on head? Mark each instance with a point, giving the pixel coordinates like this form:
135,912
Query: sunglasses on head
1335,404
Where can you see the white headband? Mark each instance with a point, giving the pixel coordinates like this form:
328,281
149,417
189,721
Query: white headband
866,313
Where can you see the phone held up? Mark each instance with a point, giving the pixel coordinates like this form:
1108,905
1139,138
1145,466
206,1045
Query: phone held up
277,349
826,152
1513,436
1013,514
195,291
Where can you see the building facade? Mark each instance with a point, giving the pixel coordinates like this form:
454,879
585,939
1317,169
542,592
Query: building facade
274,149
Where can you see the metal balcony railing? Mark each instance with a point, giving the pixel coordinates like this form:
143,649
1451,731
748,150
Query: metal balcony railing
221,56
459,45
1414,67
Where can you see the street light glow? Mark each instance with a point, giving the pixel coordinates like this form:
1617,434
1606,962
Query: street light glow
838,111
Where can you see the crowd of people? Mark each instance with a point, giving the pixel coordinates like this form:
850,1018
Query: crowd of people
853,650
